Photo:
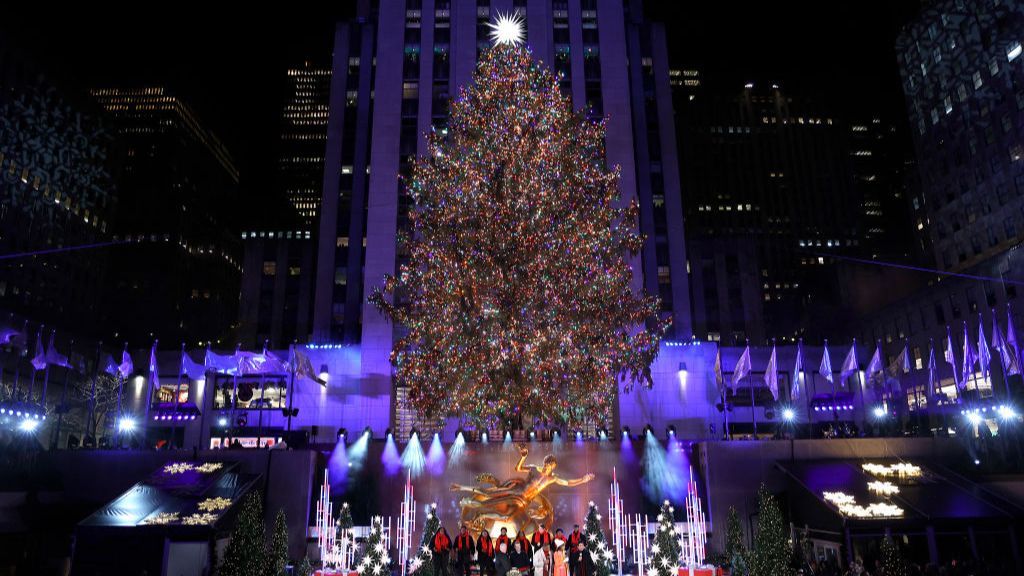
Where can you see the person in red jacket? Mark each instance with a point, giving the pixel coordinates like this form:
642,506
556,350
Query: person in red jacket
503,539
464,550
575,539
485,554
440,546
541,538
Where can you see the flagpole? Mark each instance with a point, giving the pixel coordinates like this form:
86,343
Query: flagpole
17,365
863,388
291,388
120,393
32,384
92,391
1002,346
807,391
148,396
177,394
46,374
753,411
259,426
63,400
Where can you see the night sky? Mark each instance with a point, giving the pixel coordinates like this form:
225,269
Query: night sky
230,66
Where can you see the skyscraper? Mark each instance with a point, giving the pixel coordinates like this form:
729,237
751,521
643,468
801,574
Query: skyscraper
962,71
770,198
396,66
304,137
177,277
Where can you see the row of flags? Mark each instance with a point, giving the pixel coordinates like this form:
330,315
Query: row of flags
240,363
979,355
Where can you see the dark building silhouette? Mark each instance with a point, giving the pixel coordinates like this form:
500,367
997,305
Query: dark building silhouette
770,197
57,194
177,277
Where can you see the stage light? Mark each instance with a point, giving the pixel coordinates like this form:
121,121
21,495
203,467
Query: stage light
1007,412
222,422
579,435
414,433
456,452
324,374
671,431
879,412
28,426
413,458
974,418
368,433
342,433
977,462
483,438
648,431
390,458
532,434
788,414
126,424
625,432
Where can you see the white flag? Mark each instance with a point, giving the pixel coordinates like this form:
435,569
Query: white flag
849,364
742,368
950,357
984,354
826,363
798,368
771,375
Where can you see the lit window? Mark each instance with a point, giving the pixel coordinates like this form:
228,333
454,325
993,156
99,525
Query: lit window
1013,51
269,268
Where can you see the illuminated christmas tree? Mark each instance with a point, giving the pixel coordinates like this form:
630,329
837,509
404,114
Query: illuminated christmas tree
245,553
892,561
665,550
421,564
771,552
736,553
517,294
597,547
277,554
375,561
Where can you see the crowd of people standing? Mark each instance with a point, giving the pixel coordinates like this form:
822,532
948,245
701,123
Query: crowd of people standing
542,554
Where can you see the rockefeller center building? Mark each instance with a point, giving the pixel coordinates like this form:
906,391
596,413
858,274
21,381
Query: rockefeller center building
395,68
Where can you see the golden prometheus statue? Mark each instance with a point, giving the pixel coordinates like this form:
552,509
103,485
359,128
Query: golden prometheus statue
516,502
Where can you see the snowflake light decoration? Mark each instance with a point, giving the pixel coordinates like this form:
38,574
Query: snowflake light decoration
203,519
215,504
162,519
178,468
209,467
507,29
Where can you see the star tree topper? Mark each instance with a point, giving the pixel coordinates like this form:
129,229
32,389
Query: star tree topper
507,29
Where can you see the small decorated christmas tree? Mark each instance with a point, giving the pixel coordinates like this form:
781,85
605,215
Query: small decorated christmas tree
244,555
736,552
597,547
376,561
304,568
346,539
665,550
771,544
421,564
892,561
345,518
277,555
